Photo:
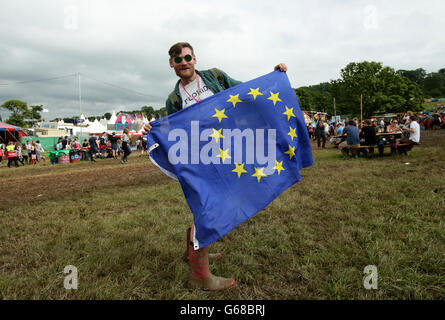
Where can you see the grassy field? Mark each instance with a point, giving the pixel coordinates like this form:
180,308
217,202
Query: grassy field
123,227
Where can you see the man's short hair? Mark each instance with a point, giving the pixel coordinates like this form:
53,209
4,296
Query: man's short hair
351,122
367,122
413,118
176,49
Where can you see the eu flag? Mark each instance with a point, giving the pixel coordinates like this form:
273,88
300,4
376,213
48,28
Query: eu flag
234,152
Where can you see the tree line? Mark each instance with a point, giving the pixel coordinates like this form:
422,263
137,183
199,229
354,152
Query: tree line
380,89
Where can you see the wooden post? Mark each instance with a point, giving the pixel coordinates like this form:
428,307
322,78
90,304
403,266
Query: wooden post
335,111
361,108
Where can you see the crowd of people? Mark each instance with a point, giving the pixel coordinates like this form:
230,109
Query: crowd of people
349,134
103,146
25,153
432,120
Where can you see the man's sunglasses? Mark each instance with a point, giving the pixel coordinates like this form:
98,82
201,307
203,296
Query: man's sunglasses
187,58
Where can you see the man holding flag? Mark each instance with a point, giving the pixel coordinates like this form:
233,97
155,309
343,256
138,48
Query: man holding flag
218,212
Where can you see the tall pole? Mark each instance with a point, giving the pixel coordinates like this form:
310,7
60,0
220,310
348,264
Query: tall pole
335,112
80,102
80,94
361,108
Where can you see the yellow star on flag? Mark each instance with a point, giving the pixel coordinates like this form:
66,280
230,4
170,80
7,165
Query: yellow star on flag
292,133
223,154
291,152
234,99
219,114
255,92
239,169
289,113
217,134
259,173
279,166
274,97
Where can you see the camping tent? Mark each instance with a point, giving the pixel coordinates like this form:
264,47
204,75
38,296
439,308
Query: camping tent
9,132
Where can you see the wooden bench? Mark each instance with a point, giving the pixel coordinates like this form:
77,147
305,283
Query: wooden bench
355,150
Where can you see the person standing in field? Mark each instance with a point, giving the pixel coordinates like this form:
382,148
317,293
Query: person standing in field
125,145
25,154
39,150
114,145
192,87
28,148
33,152
18,147
2,151
94,147
320,133
12,154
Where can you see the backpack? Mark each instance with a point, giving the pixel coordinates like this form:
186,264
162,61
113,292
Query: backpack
174,100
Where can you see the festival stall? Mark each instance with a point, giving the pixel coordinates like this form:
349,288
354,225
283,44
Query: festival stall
9,132
60,156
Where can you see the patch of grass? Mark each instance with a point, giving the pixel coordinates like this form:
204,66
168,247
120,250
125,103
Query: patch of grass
123,227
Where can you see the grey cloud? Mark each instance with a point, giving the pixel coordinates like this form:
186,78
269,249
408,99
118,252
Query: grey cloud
126,44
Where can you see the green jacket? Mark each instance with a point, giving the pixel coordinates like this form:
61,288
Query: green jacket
174,101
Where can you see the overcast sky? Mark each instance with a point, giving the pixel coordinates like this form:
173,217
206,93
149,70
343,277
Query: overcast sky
125,43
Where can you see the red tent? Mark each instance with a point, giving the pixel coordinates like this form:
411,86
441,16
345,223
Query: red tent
9,132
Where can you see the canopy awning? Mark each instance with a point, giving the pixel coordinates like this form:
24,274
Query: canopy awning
6,127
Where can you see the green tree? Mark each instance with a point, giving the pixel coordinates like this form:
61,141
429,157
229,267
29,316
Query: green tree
417,76
148,110
163,112
314,98
107,115
434,84
383,90
305,99
19,112
34,114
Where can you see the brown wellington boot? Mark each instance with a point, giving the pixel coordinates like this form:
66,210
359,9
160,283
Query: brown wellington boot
212,256
200,276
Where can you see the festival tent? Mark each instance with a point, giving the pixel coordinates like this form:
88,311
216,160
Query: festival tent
9,132
96,127
113,118
104,122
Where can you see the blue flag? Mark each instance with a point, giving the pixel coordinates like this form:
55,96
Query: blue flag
234,152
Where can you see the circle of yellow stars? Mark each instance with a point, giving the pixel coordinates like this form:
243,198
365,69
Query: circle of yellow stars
220,114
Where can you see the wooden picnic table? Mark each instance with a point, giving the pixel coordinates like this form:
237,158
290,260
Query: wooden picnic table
380,134
397,134
386,134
